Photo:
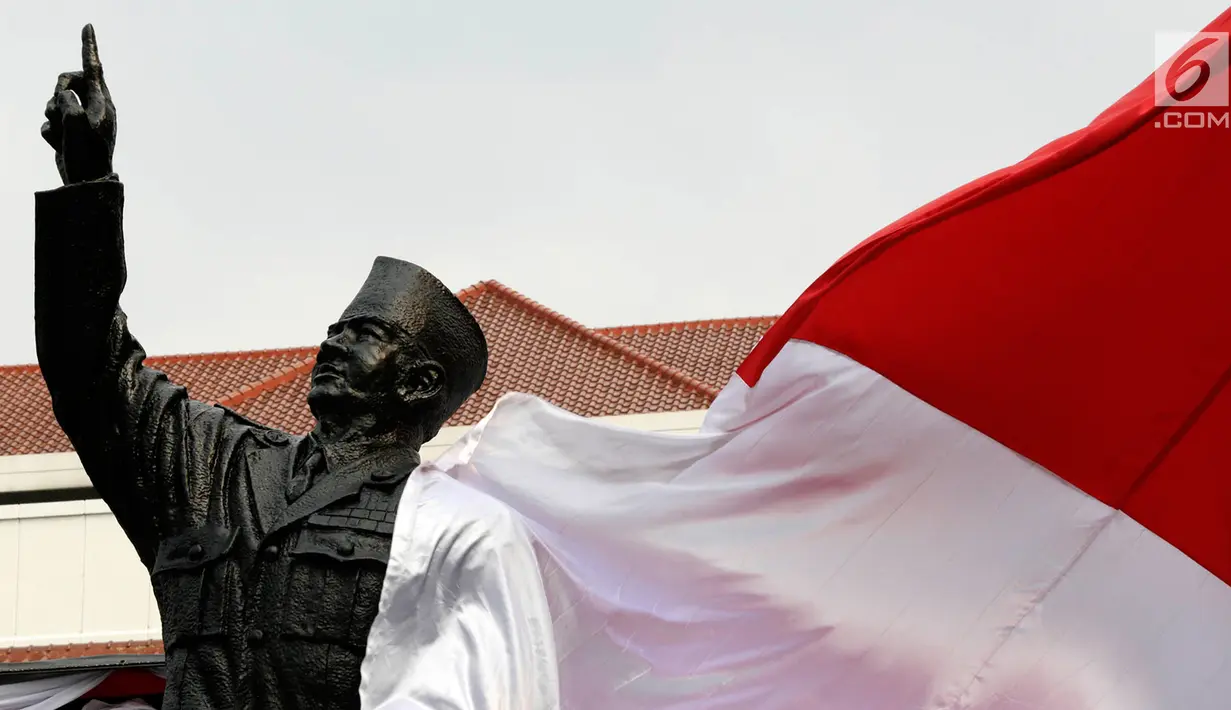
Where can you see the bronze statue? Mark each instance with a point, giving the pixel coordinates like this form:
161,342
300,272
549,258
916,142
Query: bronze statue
267,551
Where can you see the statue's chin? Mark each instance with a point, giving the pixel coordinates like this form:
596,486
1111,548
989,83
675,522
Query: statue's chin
334,397
329,395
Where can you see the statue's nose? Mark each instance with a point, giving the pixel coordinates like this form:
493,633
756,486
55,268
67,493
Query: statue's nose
332,347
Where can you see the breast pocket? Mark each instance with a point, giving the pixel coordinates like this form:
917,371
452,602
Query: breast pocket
335,585
190,579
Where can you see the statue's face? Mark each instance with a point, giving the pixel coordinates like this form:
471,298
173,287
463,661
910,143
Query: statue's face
357,365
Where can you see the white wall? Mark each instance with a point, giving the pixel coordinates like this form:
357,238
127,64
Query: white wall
68,574
41,472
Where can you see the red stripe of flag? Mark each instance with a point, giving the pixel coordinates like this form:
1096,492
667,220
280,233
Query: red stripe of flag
1076,307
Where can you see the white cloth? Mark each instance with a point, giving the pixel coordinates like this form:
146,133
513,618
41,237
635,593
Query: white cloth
829,542
463,621
48,693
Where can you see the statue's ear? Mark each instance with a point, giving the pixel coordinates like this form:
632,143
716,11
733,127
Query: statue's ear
423,380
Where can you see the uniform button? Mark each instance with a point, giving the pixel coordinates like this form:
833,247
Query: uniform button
346,548
275,437
196,552
256,636
270,552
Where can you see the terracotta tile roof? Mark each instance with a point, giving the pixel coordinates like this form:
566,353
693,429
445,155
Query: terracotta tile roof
212,377
655,368
710,350
282,403
536,350
27,424
79,650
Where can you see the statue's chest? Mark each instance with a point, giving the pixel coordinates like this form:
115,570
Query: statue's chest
332,564
319,593
336,556
372,513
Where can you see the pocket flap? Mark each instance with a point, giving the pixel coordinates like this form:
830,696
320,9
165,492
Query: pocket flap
194,548
342,545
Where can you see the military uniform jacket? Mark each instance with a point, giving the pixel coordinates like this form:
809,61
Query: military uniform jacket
266,594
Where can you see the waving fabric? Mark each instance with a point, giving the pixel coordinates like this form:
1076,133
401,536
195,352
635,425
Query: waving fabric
981,463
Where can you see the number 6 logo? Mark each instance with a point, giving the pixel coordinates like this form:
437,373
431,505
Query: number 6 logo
1196,75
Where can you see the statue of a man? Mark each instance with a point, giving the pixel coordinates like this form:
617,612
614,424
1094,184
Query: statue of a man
267,551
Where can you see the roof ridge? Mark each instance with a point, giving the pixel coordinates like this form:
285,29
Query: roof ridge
650,328
178,358
15,656
477,289
227,354
23,368
279,377
83,644
671,373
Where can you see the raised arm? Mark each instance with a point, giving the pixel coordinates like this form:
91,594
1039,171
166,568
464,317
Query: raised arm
147,448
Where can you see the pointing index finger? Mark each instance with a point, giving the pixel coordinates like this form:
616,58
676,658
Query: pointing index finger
91,67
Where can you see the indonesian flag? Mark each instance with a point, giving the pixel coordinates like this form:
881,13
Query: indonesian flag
984,462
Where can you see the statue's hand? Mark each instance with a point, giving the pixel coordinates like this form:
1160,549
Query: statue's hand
81,119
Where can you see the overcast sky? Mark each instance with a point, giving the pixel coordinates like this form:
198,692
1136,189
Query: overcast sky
624,162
